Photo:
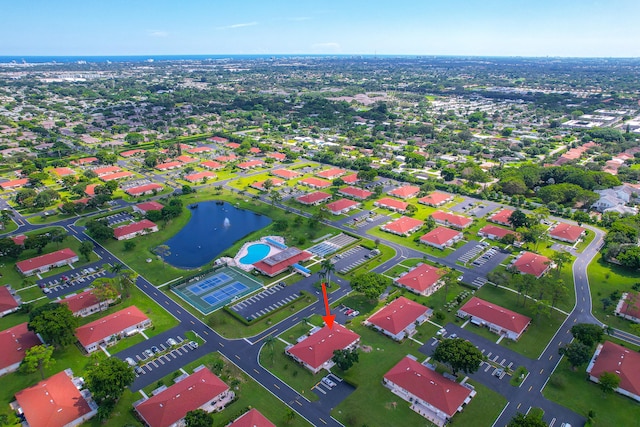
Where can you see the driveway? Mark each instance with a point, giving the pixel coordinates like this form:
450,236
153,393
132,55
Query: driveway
330,397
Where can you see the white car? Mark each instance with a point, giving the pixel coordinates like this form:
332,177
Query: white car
328,382
171,342
130,361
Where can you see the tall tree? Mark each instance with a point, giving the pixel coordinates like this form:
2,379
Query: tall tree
38,358
587,333
326,268
86,247
55,323
576,353
518,219
345,359
370,284
560,259
198,418
529,420
608,382
459,354
107,379
104,289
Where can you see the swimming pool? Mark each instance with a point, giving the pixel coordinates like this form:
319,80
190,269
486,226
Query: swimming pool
255,253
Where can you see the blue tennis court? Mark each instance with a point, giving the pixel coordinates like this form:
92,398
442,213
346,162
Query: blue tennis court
224,293
212,291
208,283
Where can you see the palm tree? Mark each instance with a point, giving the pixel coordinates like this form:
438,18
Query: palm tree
327,267
270,341
127,280
116,268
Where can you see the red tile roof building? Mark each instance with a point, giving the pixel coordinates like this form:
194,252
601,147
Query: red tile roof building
55,402
391,204
135,229
351,178
498,319
275,182
255,150
253,418
63,171
403,226
331,173
85,303
117,175
131,153
169,165
106,170
277,263
143,208
314,198
451,220
502,217
46,262
567,232
85,161
142,190
441,237
19,239
355,192
530,263
219,139
405,192
431,395
14,183
127,321
422,279
285,173
315,351
210,164
232,145
277,156
225,159
9,300
618,360
14,342
186,159
629,306
198,150
342,206
251,164
315,183
200,390
494,232
399,318
436,198
199,176
90,190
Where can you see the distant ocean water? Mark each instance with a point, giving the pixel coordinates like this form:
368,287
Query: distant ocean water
154,58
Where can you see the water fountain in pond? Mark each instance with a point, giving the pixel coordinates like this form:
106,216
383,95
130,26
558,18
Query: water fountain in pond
226,223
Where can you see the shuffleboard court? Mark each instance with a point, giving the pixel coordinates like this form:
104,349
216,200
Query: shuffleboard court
212,291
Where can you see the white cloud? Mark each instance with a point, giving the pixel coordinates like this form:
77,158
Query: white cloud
299,18
158,33
241,25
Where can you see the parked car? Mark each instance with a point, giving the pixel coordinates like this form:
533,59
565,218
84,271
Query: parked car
130,361
453,336
148,353
441,331
155,349
349,311
328,382
193,345
138,370
354,313
171,342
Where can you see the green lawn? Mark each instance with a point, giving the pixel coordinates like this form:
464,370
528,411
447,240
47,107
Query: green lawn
572,389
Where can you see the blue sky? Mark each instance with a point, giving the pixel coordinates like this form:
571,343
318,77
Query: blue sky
396,27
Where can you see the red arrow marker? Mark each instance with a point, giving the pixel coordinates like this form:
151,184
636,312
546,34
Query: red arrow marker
329,318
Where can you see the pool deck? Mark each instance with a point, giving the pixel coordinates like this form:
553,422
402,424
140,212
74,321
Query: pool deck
244,251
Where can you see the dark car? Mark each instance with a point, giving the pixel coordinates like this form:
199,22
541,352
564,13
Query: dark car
155,349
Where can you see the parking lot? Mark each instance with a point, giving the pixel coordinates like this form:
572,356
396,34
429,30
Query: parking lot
71,279
147,362
470,253
332,390
118,218
474,207
265,301
350,259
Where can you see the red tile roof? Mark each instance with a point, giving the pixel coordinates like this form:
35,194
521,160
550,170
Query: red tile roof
455,220
499,232
341,204
54,402
150,206
198,176
224,159
210,164
186,159
396,316
428,385
272,268
315,197
277,156
90,189
117,175
18,240
315,182
250,164
233,145
567,232
14,183
110,325
318,348
285,173
79,302
255,150
350,179
141,189
356,192
502,216
392,203
171,405
130,153
47,259
253,418
403,225
84,161
135,227
106,170
274,181
621,361
531,263
331,173
435,198
630,306
169,165
196,150
421,278
440,236
63,171
493,313
218,139
405,192
14,342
